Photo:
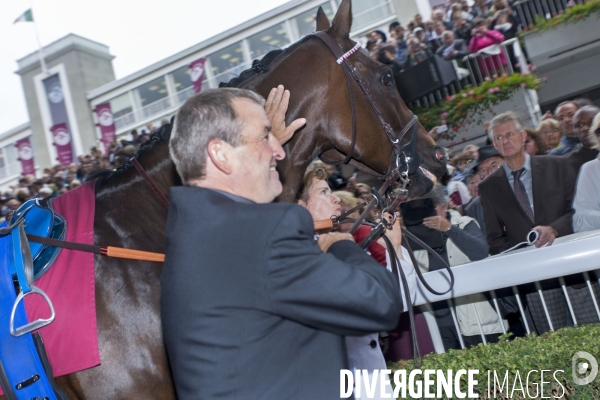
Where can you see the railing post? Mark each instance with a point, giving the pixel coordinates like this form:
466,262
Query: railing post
563,285
478,320
453,313
538,287
586,276
495,300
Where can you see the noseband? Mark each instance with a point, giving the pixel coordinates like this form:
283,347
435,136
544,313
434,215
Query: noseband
404,159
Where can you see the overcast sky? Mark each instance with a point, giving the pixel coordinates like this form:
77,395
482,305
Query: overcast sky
138,33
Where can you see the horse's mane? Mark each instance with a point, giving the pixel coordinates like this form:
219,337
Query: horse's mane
162,134
260,66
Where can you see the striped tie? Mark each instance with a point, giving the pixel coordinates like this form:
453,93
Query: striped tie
522,194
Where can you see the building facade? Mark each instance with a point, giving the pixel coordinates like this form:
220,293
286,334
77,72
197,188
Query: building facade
80,76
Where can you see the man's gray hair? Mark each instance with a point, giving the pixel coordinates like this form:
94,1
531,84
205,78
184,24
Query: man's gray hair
202,118
504,118
447,33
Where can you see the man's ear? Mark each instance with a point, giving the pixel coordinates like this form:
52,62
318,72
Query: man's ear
302,203
220,155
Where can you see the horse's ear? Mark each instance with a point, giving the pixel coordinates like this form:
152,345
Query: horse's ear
342,22
322,20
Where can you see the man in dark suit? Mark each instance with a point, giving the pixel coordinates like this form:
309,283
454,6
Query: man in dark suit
252,307
528,193
452,48
586,151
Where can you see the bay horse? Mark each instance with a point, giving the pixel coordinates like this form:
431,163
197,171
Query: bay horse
128,214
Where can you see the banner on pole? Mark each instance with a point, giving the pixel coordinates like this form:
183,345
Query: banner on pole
106,124
197,74
26,157
62,141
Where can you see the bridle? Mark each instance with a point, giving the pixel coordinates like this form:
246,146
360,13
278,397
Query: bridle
404,162
404,159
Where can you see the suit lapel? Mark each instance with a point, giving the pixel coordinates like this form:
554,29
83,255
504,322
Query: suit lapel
507,192
536,186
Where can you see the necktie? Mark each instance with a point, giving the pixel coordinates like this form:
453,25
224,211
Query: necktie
522,194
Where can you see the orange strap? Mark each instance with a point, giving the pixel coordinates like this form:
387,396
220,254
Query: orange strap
132,254
323,224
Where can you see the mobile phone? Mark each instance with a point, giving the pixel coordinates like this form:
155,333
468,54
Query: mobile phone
442,128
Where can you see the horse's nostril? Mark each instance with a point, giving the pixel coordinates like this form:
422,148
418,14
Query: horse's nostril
440,155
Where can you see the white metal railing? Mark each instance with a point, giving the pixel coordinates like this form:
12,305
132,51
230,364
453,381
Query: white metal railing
529,10
10,170
574,254
479,67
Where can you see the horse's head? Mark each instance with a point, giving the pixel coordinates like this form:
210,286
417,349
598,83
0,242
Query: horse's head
372,151
321,94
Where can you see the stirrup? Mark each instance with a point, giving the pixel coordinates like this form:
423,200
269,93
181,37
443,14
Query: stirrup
31,326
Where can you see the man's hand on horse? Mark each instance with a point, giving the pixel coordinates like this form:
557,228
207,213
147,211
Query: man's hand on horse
276,106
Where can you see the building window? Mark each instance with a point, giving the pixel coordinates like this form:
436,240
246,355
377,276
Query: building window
181,78
307,22
152,91
270,39
368,12
183,83
9,161
154,97
122,110
227,63
3,165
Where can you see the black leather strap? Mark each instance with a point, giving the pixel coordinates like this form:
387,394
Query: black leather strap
399,272
353,73
150,182
406,233
337,52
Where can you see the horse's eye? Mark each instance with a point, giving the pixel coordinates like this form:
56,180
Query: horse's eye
387,79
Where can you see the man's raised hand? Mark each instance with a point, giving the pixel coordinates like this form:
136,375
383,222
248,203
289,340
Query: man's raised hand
276,106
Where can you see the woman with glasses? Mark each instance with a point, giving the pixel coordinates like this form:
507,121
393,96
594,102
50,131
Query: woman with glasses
551,132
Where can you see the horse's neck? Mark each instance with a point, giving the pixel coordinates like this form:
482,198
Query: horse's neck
127,207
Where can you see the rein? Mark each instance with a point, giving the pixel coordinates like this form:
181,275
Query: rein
406,160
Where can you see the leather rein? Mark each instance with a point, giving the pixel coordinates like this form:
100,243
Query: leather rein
407,161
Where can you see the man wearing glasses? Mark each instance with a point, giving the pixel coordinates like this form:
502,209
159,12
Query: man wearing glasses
587,150
527,193
488,161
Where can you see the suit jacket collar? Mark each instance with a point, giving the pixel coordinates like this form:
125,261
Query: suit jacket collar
499,180
536,185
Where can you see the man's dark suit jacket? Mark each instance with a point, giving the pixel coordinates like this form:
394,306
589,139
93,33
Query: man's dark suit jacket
580,156
553,186
460,49
253,309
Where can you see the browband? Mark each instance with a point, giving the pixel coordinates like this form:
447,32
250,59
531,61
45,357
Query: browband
347,54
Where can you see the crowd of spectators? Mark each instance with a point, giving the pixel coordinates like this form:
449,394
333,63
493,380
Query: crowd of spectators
565,143
59,179
453,32
561,154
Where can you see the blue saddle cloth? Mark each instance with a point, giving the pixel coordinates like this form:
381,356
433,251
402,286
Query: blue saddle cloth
22,372
40,220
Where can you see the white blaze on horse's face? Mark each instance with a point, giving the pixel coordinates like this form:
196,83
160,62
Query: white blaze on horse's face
255,159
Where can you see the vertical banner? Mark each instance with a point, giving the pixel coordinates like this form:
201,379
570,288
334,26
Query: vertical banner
61,132
106,124
26,157
62,141
197,74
